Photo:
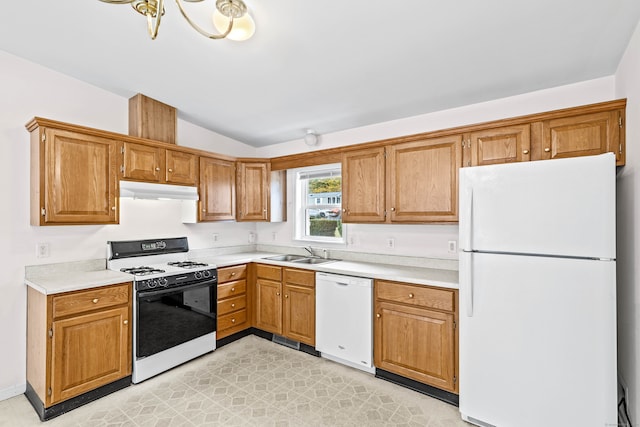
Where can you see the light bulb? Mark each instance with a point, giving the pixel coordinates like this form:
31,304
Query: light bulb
243,27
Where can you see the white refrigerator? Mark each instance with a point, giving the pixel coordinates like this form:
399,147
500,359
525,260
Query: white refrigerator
537,293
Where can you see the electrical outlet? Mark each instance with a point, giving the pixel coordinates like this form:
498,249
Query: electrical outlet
391,243
252,237
42,250
274,236
453,246
215,237
352,240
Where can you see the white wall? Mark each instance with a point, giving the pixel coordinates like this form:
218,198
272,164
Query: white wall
28,90
628,86
425,240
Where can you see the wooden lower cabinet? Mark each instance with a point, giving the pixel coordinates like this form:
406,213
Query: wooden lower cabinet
78,341
415,333
285,302
232,301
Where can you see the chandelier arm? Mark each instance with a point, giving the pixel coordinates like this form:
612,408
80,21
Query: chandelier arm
153,22
200,30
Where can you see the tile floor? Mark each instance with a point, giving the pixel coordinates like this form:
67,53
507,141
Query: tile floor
252,382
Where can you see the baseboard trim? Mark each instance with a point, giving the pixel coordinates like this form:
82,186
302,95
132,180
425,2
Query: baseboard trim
12,391
75,402
434,392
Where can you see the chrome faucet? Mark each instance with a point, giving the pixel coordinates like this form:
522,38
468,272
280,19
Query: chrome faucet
309,249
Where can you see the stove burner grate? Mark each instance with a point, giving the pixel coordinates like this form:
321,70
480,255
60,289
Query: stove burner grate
141,271
187,264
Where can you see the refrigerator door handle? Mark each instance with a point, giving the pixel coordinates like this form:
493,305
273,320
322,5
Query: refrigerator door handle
466,224
466,279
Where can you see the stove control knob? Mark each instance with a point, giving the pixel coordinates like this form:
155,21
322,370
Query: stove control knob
162,281
206,273
151,283
197,275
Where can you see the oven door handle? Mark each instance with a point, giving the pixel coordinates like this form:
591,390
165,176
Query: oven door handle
147,293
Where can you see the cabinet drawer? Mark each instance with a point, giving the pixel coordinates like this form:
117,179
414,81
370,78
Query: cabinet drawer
231,289
232,304
236,272
230,320
300,277
422,296
269,272
89,300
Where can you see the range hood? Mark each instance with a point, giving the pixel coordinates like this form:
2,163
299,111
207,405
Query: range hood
146,190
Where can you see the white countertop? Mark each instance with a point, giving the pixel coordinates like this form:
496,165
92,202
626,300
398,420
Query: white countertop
416,275
76,280
64,281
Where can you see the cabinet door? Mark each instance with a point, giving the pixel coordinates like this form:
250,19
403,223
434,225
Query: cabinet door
253,191
269,306
143,162
416,343
181,168
363,186
79,179
89,351
423,180
299,322
217,190
500,145
582,135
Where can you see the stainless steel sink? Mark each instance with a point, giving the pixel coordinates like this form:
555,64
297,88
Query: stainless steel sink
314,260
287,257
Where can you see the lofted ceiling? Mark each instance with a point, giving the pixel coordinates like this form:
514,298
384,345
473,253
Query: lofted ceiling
328,65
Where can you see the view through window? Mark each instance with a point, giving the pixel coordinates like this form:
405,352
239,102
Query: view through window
321,204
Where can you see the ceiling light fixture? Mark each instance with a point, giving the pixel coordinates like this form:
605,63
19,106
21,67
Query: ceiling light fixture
311,138
231,18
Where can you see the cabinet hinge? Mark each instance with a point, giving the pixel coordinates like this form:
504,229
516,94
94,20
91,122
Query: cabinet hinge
385,213
50,333
620,121
455,379
455,324
122,169
44,135
122,150
43,212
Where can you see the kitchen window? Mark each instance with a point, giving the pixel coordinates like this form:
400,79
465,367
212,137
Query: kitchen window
319,204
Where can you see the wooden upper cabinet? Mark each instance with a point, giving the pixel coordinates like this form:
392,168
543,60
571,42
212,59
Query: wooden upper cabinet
181,168
253,191
217,190
423,180
583,135
499,145
151,163
363,185
73,178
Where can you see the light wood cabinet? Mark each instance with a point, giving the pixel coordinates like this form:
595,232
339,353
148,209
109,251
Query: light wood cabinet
73,177
232,300
583,135
150,163
78,341
253,191
411,182
498,145
217,190
415,333
285,302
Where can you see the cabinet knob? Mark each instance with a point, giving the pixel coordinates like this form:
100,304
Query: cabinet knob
170,170
157,169
113,208
393,209
233,289
286,296
344,210
233,320
410,295
546,150
233,273
95,300
277,294
204,210
525,151
378,315
233,306
126,322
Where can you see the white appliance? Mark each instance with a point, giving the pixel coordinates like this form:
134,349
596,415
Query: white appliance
537,293
344,324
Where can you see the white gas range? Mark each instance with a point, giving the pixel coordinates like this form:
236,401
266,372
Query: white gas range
174,308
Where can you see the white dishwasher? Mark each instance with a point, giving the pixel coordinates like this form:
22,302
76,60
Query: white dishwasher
344,309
